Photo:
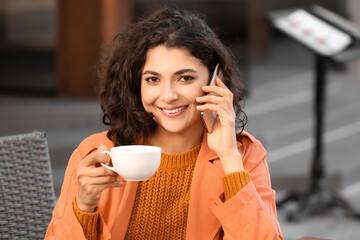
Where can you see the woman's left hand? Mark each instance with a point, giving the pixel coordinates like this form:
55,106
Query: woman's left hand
222,140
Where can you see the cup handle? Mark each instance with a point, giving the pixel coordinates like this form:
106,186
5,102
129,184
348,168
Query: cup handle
106,166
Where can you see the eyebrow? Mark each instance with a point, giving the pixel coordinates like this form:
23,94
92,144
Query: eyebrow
151,73
182,71
179,72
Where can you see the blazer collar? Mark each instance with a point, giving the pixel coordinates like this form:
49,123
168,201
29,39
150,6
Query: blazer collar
205,152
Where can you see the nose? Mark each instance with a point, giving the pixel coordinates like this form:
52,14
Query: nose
169,93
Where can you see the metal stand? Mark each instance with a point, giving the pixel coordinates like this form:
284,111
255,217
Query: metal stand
318,198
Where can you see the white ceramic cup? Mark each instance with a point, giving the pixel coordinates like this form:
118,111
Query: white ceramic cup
134,162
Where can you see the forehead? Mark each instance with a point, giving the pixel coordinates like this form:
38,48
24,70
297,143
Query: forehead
165,57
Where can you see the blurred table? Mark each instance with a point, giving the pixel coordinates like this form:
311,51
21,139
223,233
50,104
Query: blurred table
311,238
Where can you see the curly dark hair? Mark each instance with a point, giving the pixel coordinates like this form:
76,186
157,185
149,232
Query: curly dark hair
120,72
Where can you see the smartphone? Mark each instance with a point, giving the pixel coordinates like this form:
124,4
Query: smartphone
209,117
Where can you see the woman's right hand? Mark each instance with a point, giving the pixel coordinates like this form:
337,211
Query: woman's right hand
93,179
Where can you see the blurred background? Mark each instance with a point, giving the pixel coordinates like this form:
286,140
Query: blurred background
48,55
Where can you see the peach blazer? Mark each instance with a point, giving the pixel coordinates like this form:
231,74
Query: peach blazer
250,214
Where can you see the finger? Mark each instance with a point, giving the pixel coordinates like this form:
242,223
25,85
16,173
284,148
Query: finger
212,99
95,157
102,148
220,83
100,180
218,109
103,171
222,90
113,184
225,118
107,185
209,100
96,189
96,172
214,90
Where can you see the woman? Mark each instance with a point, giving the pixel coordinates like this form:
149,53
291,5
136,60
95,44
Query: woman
209,185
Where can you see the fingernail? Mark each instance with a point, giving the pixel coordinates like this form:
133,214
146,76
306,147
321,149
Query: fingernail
120,183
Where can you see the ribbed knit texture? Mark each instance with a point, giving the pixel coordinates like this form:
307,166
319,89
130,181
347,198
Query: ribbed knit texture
234,182
161,203
88,221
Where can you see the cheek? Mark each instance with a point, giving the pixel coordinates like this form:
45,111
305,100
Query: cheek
147,97
190,95
195,92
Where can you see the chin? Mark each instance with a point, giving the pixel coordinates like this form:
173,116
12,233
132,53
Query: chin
172,128
181,127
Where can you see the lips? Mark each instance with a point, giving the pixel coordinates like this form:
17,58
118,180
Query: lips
173,111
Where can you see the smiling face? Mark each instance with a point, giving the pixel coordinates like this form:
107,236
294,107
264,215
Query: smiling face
171,81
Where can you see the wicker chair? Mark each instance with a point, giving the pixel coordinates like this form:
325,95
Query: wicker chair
26,187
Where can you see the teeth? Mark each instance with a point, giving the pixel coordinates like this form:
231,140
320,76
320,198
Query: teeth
174,110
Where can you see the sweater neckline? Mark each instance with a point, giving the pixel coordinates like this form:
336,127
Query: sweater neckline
180,160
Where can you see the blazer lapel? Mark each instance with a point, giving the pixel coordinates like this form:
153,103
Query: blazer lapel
206,187
122,217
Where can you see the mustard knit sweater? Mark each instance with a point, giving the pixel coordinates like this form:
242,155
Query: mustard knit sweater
161,204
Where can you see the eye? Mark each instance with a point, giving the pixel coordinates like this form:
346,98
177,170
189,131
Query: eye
186,78
152,79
